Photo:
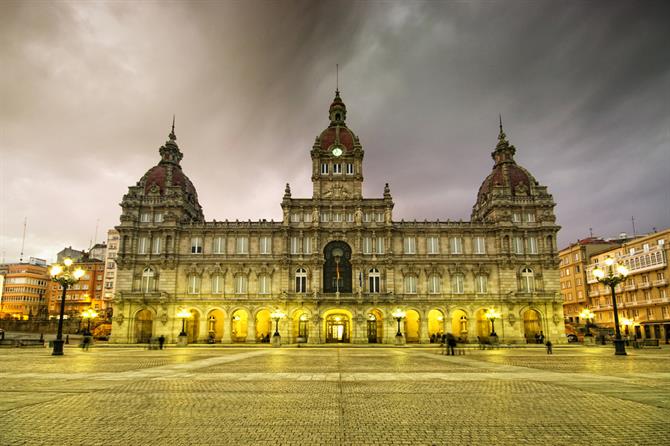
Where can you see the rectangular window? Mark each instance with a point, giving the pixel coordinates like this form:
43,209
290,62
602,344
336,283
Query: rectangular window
380,245
143,245
242,245
434,284
456,245
196,245
479,245
337,168
367,217
307,217
518,245
158,218
307,245
457,284
410,285
516,217
645,247
157,245
350,169
325,217
145,217
295,217
532,245
295,243
374,283
240,285
367,245
350,217
263,285
379,217
481,284
265,244
338,217
218,245
217,284
409,245
324,168
433,245
194,285
530,217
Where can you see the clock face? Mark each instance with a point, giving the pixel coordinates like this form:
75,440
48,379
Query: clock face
337,151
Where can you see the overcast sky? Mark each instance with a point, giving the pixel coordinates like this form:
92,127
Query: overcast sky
88,90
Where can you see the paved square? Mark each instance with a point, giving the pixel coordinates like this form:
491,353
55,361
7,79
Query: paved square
334,396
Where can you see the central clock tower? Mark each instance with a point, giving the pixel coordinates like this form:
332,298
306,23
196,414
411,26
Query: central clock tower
337,158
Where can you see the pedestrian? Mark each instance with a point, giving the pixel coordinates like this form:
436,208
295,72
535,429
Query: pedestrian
451,344
86,342
541,337
67,339
549,347
161,341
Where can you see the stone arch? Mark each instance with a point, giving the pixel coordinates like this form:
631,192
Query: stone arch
460,323
215,324
337,269
143,326
263,325
435,324
375,325
239,324
338,325
192,325
532,323
300,319
483,325
412,325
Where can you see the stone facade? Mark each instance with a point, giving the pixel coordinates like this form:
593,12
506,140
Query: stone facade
337,265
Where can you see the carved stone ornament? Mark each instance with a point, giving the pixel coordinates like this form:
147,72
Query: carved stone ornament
557,319
119,319
511,319
164,318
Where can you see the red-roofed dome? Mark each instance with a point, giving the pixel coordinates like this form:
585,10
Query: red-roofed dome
337,133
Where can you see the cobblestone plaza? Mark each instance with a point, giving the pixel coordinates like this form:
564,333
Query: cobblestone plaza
334,395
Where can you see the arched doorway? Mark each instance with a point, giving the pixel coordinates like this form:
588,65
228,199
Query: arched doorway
459,325
338,328
263,326
301,326
375,327
412,326
143,326
337,268
215,326
192,327
435,325
238,326
483,325
532,325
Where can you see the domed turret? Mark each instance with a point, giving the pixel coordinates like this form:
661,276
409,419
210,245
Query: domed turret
337,134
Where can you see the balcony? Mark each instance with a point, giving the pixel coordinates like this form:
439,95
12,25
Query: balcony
660,282
644,286
632,287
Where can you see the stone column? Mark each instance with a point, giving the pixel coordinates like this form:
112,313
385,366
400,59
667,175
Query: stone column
225,337
359,335
251,330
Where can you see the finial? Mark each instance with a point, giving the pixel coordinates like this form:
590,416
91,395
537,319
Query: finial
172,135
500,118
337,79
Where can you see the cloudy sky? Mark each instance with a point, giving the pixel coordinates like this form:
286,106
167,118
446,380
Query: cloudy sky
88,90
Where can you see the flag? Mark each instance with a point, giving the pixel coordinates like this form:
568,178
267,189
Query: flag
337,271
360,279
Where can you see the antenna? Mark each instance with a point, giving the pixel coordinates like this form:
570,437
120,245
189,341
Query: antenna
337,77
634,232
23,241
591,232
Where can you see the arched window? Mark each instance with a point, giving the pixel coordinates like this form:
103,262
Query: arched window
374,280
194,284
301,280
527,280
148,280
434,286
217,284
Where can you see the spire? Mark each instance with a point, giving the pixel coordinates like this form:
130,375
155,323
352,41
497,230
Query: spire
504,150
173,137
337,80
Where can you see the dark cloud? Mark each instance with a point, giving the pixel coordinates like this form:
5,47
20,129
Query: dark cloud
89,89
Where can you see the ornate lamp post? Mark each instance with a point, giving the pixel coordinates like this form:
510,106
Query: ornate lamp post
398,315
65,276
89,314
183,315
492,315
587,315
276,337
612,275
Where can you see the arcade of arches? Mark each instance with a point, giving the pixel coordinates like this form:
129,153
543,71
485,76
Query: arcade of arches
335,325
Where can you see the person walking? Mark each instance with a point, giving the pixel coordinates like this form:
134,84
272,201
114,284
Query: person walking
451,344
161,341
549,347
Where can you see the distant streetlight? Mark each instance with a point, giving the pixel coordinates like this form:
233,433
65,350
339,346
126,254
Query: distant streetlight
183,314
587,315
398,314
492,315
276,337
89,314
65,275
614,274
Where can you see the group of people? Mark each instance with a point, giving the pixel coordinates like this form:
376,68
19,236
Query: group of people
157,344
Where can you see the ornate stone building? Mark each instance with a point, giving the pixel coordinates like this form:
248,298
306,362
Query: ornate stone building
337,265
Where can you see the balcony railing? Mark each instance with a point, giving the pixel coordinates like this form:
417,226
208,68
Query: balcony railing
653,259
660,282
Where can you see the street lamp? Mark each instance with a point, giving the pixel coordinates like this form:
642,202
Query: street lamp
398,314
65,275
89,314
183,314
614,274
492,315
276,315
587,315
